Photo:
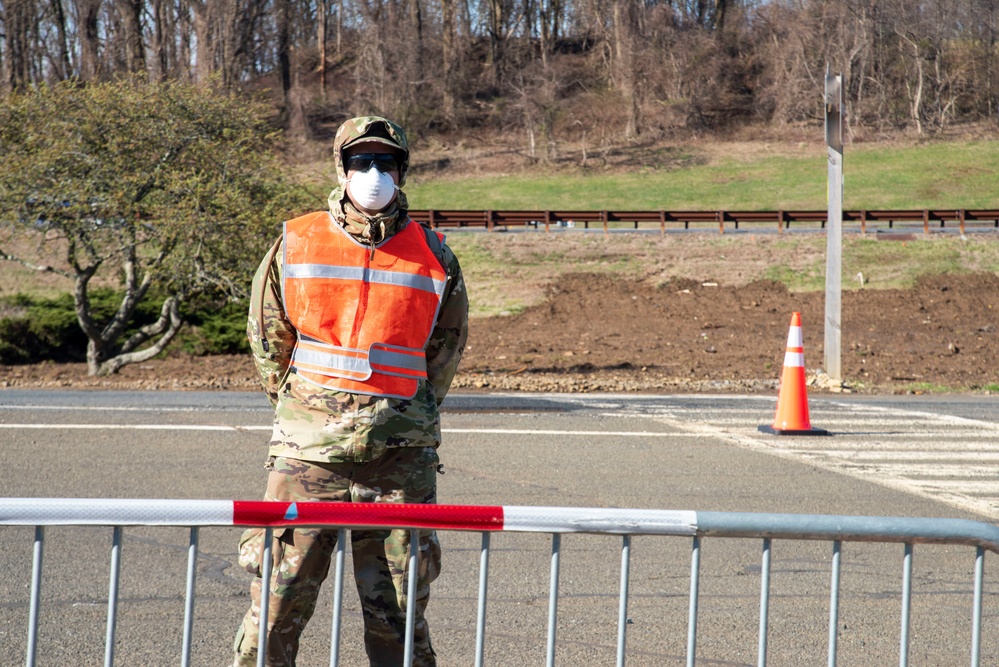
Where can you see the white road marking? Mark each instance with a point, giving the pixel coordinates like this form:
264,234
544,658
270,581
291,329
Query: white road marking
947,458
139,427
221,427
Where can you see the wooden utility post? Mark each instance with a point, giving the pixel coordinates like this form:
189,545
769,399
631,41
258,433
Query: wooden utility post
834,228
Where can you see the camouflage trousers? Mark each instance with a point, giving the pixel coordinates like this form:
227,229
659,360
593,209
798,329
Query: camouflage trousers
301,558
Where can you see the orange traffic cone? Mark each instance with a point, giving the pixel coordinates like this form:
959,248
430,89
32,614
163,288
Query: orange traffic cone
792,402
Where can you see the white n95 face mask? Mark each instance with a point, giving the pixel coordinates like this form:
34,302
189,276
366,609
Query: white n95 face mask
372,189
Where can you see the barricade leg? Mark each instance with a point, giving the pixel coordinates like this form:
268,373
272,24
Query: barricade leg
553,599
113,596
834,602
192,571
480,624
265,596
903,649
695,569
976,612
341,537
622,614
36,585
413,572
764,604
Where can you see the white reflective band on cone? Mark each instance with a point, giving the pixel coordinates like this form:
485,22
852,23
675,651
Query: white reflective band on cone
794,359
794,338
587,520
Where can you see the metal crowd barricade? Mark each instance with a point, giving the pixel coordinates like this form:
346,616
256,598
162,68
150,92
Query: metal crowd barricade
41,512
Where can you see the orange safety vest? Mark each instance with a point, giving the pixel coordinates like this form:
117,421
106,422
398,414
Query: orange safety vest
363,322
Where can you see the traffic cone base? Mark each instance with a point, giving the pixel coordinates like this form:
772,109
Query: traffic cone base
792,402
779,431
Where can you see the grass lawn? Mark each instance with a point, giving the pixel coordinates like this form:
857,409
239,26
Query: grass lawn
963,174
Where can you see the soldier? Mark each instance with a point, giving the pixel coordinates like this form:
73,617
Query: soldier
358,318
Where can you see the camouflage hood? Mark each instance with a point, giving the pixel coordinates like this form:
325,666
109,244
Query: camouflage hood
369,128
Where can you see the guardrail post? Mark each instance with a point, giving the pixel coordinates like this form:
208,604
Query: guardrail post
548,218
433,222
780,222
961,219
489,221
863,221
603,219
662,223
720,219
926,221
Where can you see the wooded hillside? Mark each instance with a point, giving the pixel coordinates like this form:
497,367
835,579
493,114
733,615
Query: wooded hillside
537,68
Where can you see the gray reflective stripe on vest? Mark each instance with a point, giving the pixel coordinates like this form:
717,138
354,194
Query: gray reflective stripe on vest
360,365
422,283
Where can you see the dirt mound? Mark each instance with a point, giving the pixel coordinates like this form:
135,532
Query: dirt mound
941,333
600,333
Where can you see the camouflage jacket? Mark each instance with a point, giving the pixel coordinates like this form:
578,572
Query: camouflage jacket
318,424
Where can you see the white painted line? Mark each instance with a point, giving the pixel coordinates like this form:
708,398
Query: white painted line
903,455
139,427
515,431
126,408
916,472
217,427
963,485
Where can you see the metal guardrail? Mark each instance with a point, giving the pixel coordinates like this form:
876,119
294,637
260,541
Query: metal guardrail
490,220
41,512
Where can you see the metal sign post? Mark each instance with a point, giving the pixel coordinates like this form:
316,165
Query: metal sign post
834,230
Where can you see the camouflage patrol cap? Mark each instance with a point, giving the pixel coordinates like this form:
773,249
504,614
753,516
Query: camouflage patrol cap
371,128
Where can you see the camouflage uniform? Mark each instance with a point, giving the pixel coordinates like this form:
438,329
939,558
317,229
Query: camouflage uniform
335,446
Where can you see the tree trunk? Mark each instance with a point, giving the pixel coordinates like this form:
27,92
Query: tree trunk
283,18
17,24
624,68
90,66
65,63
204,63
497,20
321,44
131,17
448,64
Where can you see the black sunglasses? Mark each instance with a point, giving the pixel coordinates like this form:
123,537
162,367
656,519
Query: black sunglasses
384,162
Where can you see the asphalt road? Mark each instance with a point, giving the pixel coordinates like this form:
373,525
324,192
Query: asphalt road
889,456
